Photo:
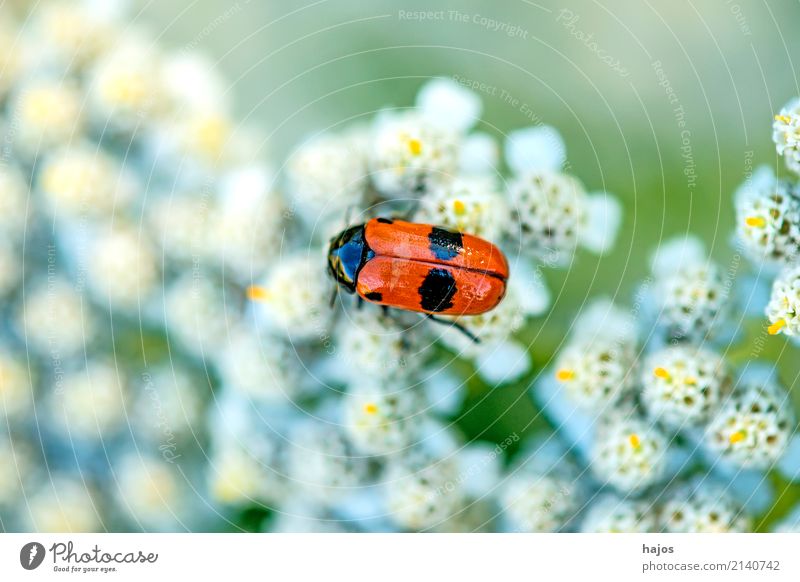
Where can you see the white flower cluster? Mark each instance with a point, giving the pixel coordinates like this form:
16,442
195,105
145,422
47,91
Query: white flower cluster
609,514
174,360
702,507
171,328
684,385
786,134
689,292
754,426
768,225
784,303
643,415
594,368
768,218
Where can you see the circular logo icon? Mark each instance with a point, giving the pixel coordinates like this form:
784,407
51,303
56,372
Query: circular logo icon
31,555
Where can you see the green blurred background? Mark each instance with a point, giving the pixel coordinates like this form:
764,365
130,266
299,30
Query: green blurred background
672,125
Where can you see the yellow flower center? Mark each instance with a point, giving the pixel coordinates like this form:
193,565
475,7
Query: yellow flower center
565,375
257,293
776,327
737,437
755,221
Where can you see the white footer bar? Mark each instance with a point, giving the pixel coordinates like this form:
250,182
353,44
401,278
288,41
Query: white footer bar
410,558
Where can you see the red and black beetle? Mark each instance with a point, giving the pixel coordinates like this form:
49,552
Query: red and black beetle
418,267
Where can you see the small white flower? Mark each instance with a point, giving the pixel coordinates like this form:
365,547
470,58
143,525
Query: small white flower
207,138
690,299
610,514
423,494
246,228
536,148
85,181
595,373
528,286
383,420
480,155
492,328
410,155
450,104
125,88
549,212
375,346
753,427
601,319
504,362
768,219
150,492
123,268
786,134
90,404
293,298
327,176
684,385
498,356
604,217
677,253
48,113
55,321
322,464
481,466
169,406
238,476
262,368
192,82
702,507
783,309
16,387
73,34
196,316
63,504
628,453
181,225
469,204
537,503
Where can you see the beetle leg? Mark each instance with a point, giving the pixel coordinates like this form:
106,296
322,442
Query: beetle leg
334,293
359,303
455,324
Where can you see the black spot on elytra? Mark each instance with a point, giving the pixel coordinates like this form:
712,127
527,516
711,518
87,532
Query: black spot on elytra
445,244
374,296
437,290
385,220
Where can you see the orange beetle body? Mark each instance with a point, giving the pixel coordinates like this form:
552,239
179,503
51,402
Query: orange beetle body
419,267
